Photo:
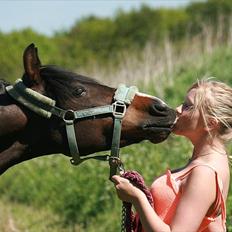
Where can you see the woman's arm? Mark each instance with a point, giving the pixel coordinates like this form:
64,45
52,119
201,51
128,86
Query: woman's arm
198,195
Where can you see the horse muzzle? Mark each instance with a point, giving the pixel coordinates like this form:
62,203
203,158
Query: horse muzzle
160,129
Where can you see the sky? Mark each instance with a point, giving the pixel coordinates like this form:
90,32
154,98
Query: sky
49,16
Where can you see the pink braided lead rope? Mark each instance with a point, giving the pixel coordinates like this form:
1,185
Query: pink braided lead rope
132,225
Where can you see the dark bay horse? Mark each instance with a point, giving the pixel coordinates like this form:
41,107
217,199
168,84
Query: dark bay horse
25,135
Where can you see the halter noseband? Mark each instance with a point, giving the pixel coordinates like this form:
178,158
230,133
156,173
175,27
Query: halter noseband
45,107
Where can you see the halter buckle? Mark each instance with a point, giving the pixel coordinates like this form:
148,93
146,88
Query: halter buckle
119,109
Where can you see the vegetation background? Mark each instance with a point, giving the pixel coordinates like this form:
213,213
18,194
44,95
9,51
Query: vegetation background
162,51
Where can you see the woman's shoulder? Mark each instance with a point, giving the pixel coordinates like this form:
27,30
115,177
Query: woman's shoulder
208,176
220,168
201,172
223,174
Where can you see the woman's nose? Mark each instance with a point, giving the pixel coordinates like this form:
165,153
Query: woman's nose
179,109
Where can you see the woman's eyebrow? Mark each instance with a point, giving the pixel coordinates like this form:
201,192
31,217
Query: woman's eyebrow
187,101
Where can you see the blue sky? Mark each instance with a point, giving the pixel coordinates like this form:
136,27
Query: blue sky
48,16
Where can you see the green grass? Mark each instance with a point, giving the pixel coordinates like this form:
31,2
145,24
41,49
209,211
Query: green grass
48,194
25,217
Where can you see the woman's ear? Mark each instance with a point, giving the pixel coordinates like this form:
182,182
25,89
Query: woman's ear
212,124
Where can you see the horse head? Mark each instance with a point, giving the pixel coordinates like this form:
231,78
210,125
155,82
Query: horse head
25,134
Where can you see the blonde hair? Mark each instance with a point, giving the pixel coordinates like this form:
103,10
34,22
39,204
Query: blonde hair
214,100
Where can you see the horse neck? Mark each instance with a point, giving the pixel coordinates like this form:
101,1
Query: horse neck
16,136
12,155
18,152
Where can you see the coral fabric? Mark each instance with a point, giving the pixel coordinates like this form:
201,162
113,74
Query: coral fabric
166,193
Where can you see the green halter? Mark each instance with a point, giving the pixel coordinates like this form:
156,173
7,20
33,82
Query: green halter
45,107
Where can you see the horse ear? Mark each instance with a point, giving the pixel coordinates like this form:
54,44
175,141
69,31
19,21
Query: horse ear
31,65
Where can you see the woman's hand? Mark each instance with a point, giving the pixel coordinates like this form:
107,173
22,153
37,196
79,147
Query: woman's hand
126,191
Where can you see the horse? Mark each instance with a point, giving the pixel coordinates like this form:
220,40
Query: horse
24,134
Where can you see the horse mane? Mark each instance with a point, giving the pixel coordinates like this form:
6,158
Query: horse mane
3,84
59,82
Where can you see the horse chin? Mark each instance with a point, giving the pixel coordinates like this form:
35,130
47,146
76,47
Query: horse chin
159,134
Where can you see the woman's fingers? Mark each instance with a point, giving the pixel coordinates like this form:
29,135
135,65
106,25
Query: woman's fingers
115,179
118,179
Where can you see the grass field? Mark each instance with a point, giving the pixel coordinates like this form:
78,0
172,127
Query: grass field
48,194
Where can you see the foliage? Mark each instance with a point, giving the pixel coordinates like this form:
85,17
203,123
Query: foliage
102,39
83,199
11,50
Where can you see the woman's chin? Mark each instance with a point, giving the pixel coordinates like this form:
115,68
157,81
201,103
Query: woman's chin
176,131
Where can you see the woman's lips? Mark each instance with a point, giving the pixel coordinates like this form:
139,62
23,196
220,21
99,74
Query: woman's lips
173,126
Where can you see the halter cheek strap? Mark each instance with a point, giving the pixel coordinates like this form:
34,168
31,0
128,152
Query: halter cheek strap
45,107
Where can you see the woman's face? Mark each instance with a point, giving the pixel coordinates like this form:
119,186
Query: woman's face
190,122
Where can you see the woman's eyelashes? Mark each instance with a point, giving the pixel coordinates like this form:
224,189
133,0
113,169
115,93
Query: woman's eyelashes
187,106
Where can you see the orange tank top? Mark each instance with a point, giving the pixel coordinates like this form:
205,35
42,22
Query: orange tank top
166,193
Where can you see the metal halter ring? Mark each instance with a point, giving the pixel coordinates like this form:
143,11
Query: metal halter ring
68,116
116,161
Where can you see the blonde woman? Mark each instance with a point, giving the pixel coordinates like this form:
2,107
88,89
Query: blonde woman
192,198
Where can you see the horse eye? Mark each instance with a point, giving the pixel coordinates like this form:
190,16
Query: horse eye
79,92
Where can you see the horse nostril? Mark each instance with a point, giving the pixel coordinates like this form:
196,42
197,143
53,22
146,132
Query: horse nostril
161,107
